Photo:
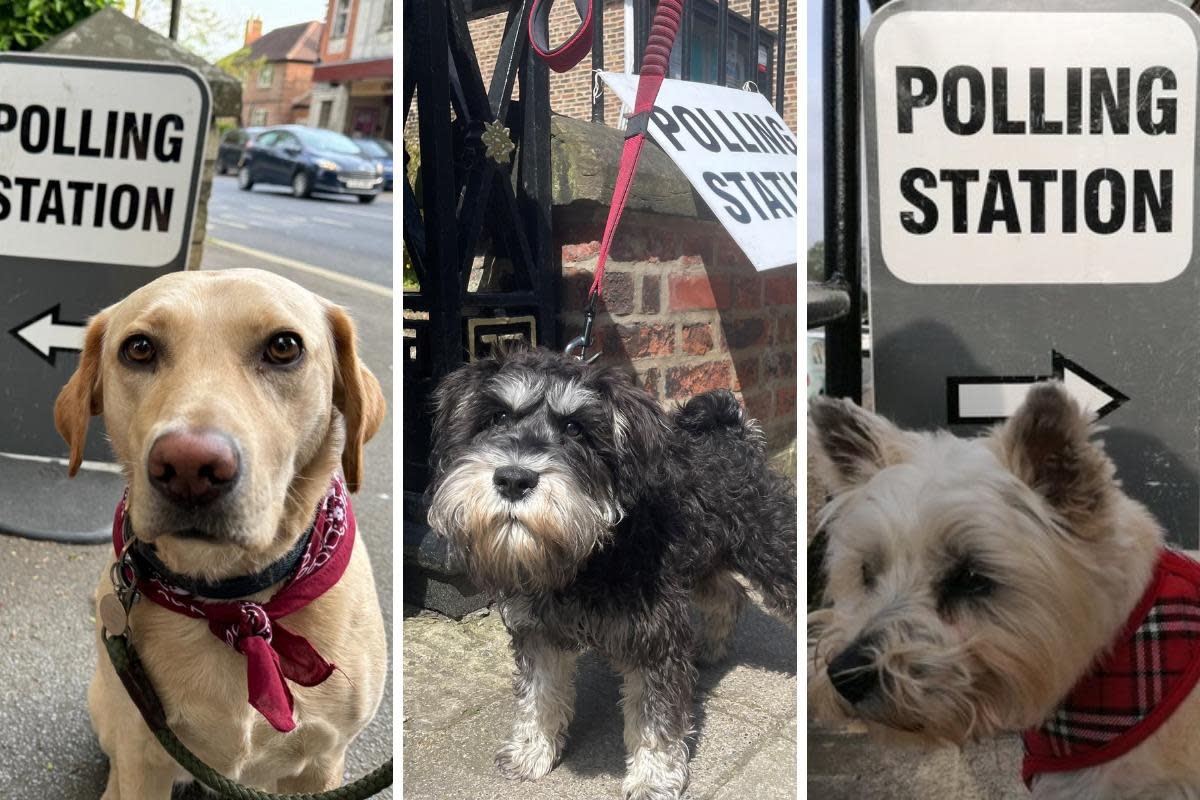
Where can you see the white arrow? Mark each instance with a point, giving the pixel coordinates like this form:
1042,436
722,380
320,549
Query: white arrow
46,334
986,399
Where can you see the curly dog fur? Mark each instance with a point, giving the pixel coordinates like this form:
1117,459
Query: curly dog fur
598,519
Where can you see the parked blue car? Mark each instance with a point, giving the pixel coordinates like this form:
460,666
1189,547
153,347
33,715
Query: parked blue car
381,151
310,160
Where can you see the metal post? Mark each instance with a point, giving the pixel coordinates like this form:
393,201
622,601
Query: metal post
641,31
722,35
752,58
685,35
843,339
598,62
781,60
175,19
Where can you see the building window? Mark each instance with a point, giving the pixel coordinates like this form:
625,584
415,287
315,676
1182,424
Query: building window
704,68
266,75
341,19
386,23
324,113
258,116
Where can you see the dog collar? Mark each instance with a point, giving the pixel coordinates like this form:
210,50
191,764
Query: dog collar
274,655
1134,688
147,564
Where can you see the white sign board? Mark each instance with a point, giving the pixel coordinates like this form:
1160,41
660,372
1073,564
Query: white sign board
738,155
1016,147
98,161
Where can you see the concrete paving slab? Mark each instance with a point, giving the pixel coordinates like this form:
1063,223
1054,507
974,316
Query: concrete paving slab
844,763
458,709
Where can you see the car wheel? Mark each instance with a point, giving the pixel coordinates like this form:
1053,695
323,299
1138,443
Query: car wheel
367,198
245,180
301,185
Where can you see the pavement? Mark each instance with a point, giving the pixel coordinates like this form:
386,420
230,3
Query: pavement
47,650
458,708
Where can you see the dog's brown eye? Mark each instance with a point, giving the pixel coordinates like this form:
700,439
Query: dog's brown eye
868,576
572,429
284,348
138,350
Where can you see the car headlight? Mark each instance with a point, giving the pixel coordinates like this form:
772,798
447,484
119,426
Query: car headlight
326,165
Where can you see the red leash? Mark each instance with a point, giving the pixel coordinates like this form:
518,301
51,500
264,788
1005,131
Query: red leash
654,70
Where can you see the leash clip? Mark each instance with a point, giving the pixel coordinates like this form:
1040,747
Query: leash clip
114,608
584,341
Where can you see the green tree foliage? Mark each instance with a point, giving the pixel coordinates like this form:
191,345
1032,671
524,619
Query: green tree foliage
816,262
27,24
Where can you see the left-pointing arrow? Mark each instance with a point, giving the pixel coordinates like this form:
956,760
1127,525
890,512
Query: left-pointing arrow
46,334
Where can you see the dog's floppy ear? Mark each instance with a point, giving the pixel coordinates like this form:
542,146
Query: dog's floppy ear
850,444
356,393
450,427
81,398
640,433
1047,444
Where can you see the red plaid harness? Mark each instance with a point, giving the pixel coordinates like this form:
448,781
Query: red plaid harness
1152,667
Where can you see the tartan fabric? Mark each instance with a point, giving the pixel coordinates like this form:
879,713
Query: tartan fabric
1150,669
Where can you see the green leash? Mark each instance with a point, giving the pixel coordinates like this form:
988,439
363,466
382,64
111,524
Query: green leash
133,675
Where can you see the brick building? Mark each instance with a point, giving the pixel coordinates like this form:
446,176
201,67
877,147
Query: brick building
571,92
276,89
352,84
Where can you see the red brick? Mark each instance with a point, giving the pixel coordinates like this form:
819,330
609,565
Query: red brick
780,364
579,251
696,249
745,374
687,381
650,381
742,333
697,291
651,294
697,338
730,256
748,292
639,339
781,289
616,296
785,329
758,405
785,401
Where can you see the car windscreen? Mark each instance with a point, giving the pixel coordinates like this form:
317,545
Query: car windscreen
374,149
327,141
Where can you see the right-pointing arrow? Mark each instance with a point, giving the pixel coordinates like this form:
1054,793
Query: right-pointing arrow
46,334
986,399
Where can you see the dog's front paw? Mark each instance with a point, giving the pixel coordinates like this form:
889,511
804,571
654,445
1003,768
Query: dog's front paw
656,774
526,759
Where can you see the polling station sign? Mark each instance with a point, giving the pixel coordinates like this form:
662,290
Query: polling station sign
1032,194
738,155
1069,158
100,164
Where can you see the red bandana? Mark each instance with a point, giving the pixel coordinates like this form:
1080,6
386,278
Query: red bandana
272,652
1130,692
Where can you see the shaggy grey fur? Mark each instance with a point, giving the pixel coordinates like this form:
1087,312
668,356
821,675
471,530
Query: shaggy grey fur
625,514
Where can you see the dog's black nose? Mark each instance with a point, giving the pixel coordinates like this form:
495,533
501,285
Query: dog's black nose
514,483
853,673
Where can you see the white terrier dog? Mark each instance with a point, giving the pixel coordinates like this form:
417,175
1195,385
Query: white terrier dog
1007,583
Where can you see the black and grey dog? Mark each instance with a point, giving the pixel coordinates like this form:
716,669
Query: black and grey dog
597,519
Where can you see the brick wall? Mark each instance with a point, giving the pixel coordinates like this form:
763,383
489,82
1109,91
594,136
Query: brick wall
291,80
571,92
686,311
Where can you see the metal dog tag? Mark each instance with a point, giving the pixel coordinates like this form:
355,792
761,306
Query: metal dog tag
113,615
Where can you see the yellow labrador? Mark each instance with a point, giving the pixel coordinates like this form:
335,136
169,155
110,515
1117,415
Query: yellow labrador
230,398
